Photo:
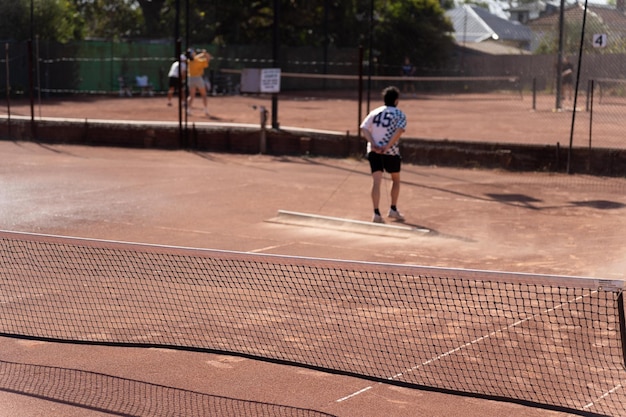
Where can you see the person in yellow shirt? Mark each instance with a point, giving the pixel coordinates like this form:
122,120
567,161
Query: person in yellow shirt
197,62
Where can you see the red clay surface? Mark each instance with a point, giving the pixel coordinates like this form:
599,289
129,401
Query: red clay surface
503,118
532,223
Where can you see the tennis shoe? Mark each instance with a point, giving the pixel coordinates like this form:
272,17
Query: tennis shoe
378,218
395,214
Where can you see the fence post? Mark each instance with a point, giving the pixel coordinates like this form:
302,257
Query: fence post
31,86
590,101
8,86
534,93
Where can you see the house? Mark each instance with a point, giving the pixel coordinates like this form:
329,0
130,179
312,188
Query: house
477,28
526,12
600,18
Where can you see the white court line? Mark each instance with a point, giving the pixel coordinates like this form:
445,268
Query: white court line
603,396
265,248
487,336
26,296
355,394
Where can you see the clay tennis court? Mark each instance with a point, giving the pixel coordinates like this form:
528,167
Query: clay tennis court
501,118
532,223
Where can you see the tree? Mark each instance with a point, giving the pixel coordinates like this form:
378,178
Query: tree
414,28
13,20
55,20
572,30
151,12
417,28
111,19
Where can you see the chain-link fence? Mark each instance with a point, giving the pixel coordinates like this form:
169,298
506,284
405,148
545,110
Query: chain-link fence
586,108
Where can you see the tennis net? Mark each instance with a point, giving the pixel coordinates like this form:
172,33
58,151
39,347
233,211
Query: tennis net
548,341
500,87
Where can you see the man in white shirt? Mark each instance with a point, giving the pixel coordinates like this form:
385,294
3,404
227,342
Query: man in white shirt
178,67
382,129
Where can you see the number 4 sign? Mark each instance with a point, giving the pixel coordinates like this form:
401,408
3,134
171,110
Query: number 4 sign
599,40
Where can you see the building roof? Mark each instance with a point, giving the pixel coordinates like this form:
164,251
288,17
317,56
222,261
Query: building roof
475,24
536,6
614,19
492,47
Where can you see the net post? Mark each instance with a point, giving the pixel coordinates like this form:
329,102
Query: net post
622,324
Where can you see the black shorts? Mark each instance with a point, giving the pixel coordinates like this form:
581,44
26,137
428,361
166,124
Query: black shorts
389,163
173,82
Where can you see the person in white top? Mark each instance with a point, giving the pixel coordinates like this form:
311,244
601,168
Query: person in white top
178,67
382,129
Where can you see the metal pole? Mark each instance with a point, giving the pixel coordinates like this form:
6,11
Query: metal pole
580,58
276,50
32,19
370,63
360,117
263,138
38,74
534,93
590,98
559,64
186,129
181,90
31,84
326,39
465,6
178,52
111,68
6,54
31,81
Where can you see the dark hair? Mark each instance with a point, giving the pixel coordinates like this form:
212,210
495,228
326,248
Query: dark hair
390,95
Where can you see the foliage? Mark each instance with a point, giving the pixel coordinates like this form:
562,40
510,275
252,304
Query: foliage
571,38
397,24
13,20
110,19
232,22
310,23
414,28
151,15
56,20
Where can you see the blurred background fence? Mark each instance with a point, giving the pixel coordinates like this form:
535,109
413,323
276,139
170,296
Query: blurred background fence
525,82
94,67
